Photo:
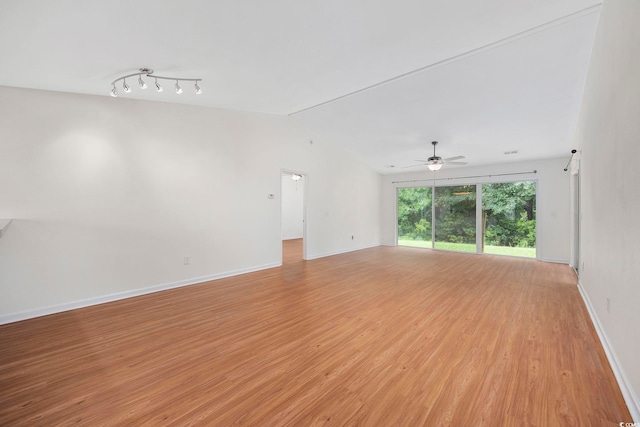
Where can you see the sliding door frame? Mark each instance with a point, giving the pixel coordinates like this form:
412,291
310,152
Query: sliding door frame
479,213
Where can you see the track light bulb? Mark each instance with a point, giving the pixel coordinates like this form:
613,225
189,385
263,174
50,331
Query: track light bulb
198,90
142,83
178,88
158,87
114,92
125,86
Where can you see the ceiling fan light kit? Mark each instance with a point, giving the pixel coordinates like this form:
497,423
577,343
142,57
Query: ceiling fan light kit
147,72
434,162
434,165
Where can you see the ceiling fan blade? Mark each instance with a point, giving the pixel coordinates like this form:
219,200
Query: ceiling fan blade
448,159
456,163
423,161
412,166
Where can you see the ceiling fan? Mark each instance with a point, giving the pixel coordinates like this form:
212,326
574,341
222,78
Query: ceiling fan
435,162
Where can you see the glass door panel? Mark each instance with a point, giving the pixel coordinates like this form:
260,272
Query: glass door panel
509,218
455,218
414,217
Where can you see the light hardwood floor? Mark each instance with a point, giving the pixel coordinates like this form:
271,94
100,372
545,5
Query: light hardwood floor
378,337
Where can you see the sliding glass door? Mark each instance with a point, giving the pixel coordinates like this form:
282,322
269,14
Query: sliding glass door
445,218
455,218
509,218
414,217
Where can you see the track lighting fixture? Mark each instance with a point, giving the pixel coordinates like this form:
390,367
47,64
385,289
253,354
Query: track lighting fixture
146,72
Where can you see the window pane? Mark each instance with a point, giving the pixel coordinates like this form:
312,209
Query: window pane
455,220
414,217
509,218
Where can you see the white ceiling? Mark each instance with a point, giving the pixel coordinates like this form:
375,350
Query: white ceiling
382,78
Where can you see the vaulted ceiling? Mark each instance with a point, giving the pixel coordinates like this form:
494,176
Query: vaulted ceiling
381,78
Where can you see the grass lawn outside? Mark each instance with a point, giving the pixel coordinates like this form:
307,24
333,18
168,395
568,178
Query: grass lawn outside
470,247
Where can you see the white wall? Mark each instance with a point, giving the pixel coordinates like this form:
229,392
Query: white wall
292,207
553,212
608,137
109,195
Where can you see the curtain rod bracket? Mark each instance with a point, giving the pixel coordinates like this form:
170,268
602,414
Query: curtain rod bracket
574,151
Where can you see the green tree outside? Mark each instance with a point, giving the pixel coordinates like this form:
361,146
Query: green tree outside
455,209
509,211
414,213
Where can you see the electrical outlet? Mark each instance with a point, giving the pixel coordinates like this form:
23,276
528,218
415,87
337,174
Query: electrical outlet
187,260
608,305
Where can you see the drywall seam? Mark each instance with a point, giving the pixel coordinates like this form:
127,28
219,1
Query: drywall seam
630,397
4,224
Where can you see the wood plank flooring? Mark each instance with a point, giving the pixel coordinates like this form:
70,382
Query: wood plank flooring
378,337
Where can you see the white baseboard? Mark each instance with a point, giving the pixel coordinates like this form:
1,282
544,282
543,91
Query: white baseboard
630,397
29,314
555,260
342,251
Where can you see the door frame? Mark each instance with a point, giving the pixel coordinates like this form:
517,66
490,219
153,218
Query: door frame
305,189
479,205
575,222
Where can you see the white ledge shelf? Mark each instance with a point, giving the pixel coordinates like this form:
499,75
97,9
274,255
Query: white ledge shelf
4,223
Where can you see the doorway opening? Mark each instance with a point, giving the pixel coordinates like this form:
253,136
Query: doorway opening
293,216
